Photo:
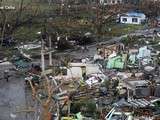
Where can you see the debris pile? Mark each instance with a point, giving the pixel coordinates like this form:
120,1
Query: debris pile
118,82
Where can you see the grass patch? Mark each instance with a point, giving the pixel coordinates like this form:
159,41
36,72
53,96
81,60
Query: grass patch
121,29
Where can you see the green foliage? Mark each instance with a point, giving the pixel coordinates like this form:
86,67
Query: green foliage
106,83
8,52
87,106
129,40
26,33
91,106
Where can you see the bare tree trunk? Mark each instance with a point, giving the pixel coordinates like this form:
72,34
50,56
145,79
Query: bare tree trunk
3,29
62,6
47,104
20,12
45,113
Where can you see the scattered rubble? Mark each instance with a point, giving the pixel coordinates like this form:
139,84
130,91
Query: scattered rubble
121,81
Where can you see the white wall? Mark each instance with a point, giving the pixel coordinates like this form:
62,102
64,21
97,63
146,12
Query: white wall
129,20
112,2
76,71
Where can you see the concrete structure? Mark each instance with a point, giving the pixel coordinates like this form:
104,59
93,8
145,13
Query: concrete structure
78,69
132,18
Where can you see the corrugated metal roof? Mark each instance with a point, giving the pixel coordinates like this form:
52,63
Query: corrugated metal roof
135,14
140,103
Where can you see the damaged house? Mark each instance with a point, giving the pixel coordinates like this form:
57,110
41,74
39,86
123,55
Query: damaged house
132,18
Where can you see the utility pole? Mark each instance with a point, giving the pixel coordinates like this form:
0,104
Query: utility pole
42,54
50,53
